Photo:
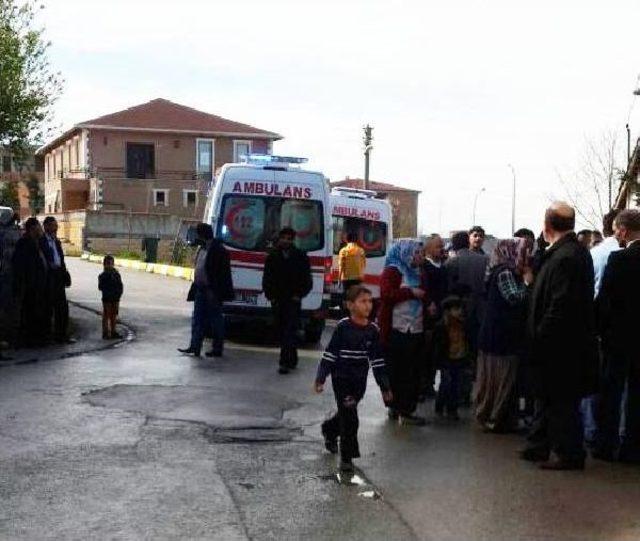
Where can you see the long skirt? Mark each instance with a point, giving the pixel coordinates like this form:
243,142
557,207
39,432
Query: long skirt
495,394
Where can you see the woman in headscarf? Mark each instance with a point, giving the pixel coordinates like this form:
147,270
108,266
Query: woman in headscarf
501,336
402,328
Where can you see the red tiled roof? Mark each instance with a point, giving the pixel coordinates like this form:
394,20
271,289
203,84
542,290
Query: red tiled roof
164,115
373,185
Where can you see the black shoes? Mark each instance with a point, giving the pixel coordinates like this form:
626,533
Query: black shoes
283,370
189,351
555,463
412,420
214,353
534,454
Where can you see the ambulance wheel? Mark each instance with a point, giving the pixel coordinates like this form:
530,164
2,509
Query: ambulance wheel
313,331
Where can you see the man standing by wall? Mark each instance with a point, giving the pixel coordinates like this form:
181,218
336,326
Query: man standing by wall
58,279
29,267
212,286
618,302
285,282
564,358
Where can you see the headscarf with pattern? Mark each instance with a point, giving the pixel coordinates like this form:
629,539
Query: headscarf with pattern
508,253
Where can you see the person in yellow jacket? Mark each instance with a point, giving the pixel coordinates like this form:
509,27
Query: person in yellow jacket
352,263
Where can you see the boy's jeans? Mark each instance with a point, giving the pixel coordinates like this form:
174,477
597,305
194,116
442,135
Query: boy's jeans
207,315
344,424
451,379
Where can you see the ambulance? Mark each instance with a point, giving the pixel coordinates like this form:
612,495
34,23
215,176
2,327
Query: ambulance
249,204
360,212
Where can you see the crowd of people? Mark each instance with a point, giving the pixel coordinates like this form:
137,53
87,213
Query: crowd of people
34,282
536,336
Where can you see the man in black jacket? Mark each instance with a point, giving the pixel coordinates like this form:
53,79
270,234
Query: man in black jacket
561,327
57,280
285,282
212,286
618,303
29,268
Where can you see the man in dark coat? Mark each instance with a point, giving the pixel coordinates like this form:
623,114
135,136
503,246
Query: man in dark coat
285,282
29,267
561,328
212,286
57,280
618,303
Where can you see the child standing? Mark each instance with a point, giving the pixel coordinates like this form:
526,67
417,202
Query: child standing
354,346
110,283
452,355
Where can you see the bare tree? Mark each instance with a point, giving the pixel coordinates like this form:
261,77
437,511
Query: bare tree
593,186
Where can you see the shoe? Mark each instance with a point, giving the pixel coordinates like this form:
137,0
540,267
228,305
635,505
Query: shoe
534,454
562,464
116,336
283,370
346,466
604,455
105,336
393,414
189,351
65,340
214,353
330,444
453,415
412,420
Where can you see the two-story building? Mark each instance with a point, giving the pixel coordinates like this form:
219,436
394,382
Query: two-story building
158,157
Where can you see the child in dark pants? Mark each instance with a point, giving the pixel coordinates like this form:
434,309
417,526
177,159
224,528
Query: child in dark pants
354,346
110,284
452,354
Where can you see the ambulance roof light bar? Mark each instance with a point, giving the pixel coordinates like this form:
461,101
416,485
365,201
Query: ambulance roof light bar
354,192
270,159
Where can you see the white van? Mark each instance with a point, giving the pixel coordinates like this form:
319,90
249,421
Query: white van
249,204
360,212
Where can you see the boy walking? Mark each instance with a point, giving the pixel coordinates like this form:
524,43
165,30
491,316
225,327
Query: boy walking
354,346
110,283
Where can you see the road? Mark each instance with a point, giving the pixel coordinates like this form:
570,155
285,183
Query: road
139,442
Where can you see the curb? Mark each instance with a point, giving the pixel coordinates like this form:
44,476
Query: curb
129,337
174,271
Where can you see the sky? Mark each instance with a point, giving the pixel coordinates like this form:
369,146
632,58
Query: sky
455,91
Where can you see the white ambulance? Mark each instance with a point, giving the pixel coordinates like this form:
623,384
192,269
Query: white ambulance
249,204
360,212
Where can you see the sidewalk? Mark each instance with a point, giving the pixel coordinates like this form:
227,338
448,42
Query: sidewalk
85,327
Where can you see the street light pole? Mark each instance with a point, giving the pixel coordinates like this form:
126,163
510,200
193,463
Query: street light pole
513,201
475,205
368,138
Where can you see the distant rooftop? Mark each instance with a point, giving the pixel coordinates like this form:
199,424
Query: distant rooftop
373,185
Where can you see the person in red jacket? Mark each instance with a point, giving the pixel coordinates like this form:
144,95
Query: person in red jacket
401,321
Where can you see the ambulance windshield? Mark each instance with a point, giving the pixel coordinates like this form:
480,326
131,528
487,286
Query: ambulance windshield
250,222
372,236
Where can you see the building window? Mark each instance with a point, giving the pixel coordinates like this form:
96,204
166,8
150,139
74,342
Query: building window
77,164
189,198
161,198
205,158
140,160
6,164
240,149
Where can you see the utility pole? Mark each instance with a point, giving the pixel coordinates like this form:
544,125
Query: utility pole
368,138
475,205
513,201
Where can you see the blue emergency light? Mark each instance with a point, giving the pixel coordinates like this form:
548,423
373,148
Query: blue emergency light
270,159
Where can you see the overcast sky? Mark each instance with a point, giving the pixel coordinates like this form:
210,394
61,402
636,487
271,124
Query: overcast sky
454,94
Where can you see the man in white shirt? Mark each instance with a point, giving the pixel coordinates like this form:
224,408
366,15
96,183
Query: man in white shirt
601,252
600,255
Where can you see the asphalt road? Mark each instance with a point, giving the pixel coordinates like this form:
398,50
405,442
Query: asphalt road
139,442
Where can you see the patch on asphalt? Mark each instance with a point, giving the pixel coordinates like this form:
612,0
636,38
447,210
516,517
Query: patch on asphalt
231,415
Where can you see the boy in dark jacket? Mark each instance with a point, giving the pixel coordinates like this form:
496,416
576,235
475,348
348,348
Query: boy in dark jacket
285,282
452,354
110,283
354,346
